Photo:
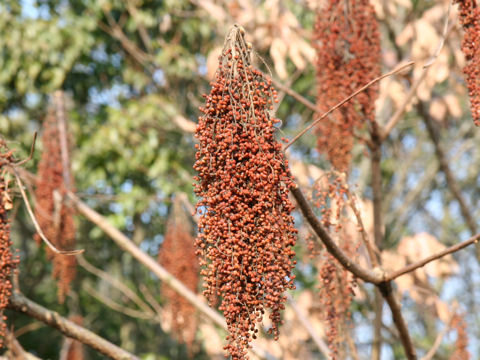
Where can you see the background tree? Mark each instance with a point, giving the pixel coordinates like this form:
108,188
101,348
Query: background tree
133,74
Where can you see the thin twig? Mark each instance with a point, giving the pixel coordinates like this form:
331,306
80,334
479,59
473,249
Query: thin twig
374,81
32,150
35,222
308,326
151,299
21,304
117,307
445,167
286,89
438,340
14,346
450,250
413,89
120,286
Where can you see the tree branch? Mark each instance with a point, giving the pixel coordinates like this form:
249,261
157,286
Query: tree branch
359,272
445,167
409,268
21,304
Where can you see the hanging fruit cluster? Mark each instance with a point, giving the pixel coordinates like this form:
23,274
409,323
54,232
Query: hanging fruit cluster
347,42
54,216
8,262
177,255
470,19
336,284
246,232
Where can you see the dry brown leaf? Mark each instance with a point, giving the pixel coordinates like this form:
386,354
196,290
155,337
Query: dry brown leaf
213,10
453,105
278,52
438,110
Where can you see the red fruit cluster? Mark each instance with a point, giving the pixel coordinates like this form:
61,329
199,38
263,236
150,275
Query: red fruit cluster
246,232
470,19
336,283
347,42
55,217
177,255
8,262
461,352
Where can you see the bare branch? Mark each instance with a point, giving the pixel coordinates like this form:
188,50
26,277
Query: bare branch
374,81
387,292
438,341
445,167
120,286
118,307
23,305
347,263
409,268
32,150
308,326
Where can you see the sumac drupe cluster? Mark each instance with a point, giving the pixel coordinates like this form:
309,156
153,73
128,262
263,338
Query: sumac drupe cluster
246,232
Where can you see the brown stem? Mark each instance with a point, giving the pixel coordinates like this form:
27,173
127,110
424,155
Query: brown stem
21,304
445,167
409,268
377,326
347,263
376,157
386,290
361,273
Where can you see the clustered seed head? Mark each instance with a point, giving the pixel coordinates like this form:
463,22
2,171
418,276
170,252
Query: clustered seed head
347,42
8,262
461,352
246,232
177,255
55,217
336,284
470,19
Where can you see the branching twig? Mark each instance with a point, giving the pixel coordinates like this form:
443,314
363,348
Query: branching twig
23,305
118,307
308,326
115,283
450,250
438,341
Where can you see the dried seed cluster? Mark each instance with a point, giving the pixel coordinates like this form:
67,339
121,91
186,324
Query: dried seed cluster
347,42
246,232
461,352
336,283
470,19
8,262
177,255
55,217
